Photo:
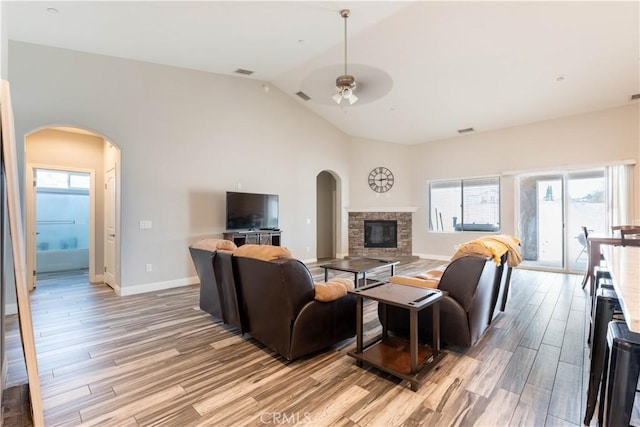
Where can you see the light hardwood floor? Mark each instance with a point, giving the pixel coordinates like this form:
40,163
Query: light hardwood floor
156,359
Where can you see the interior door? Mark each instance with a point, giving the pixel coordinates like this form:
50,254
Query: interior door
31,231
111,229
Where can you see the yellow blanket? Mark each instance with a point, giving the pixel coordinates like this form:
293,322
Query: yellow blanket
492,246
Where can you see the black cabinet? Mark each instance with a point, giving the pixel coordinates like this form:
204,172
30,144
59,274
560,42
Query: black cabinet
256,237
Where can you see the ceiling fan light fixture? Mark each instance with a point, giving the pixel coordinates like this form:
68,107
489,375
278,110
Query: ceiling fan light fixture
346,83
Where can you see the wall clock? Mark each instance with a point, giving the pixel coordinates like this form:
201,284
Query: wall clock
381,179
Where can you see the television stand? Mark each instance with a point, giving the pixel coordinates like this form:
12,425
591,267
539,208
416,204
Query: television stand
256,237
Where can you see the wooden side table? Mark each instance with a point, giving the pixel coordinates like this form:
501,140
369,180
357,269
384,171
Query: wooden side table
406,359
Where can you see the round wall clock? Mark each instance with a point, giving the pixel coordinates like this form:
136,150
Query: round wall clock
380,179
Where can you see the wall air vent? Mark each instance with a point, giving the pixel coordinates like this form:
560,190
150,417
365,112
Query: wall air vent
243,71
467,130
303,95
635,96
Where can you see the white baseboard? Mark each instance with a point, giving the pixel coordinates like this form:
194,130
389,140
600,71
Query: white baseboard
341,255
309,261
434,257
98,278
156,286
11,308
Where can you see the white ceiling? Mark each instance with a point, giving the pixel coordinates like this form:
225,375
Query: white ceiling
432,67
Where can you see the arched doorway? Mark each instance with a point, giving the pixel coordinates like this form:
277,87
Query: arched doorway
326,203
72,204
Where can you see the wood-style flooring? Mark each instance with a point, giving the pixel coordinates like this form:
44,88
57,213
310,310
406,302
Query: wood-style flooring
157,360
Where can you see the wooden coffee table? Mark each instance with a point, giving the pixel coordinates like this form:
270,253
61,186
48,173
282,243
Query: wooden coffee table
406,359
359,266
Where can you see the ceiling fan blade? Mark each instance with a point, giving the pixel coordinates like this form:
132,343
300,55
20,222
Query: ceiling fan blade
353,98
337,97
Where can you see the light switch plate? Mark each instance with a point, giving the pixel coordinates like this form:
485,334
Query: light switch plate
145,224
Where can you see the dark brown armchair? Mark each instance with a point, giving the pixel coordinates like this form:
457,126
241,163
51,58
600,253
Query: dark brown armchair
279,310
473,284
217,287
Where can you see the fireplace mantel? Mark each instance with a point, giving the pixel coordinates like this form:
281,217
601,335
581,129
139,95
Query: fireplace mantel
384,209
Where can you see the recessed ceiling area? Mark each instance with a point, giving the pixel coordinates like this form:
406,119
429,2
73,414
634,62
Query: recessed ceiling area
436,67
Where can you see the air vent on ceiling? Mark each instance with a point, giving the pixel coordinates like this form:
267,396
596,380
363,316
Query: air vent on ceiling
635,96
303,95
243,71
467,130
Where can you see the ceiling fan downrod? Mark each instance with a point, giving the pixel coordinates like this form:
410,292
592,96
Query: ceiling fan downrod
346,83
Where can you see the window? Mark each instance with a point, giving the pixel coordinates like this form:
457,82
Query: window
61,179
465,205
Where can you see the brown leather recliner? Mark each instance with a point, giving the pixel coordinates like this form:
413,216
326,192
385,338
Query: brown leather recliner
217,286
278,307
473,284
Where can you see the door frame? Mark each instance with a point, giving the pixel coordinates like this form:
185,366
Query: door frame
30,208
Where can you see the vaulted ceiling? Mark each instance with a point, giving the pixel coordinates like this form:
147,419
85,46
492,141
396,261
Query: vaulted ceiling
425,69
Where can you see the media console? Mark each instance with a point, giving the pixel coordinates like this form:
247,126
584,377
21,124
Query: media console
256,237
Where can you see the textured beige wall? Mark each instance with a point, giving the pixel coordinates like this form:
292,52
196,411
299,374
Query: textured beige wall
186,137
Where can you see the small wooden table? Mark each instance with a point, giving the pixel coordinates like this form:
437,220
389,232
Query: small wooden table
404,359
359,266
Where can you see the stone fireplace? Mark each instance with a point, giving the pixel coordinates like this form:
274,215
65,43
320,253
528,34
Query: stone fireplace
380,232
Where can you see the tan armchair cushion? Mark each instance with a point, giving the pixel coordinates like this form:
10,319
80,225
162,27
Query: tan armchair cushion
263,252
332,290
435,273
215,245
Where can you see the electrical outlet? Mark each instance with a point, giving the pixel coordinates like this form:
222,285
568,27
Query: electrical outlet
148,268
308,248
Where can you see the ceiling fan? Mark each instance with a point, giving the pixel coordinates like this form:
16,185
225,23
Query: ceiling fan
346,83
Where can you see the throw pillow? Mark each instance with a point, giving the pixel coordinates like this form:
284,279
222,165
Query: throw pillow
215,245
329,291
263,252
348,283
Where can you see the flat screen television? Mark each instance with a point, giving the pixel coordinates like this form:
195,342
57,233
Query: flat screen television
250,211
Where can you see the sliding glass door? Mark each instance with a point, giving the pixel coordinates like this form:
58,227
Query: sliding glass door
586,208
541,220
553,209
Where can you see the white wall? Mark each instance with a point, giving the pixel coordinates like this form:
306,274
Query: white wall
366,154
186,137
4,47
588,139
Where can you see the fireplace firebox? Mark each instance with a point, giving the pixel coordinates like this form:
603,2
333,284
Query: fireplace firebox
380,234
